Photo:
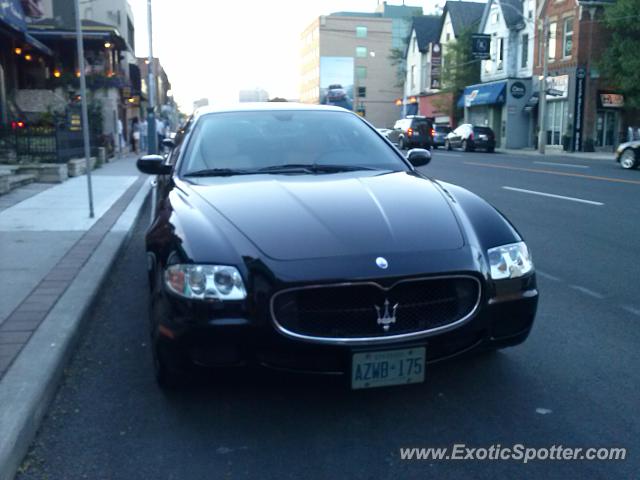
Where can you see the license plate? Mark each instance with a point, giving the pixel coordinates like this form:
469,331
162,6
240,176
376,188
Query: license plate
482,137
387,367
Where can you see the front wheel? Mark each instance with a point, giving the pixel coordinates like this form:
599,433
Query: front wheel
447,145
628,159
465,146
401,144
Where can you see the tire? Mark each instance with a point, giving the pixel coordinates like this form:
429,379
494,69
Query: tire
401,144
465,146
628,159
447,145
491,150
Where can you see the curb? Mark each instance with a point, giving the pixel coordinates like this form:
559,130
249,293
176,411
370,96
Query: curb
31,382
558,155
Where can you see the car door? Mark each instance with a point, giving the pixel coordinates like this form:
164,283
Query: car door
455,139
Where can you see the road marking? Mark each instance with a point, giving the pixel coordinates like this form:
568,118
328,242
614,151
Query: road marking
548,276
554,172
635,311
447,154
552,195
562,164
586,291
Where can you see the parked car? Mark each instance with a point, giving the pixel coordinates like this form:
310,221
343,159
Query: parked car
628,154
412,132
293,237
440,135
471,137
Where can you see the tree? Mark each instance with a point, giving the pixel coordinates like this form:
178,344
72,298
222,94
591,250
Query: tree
458,67
620,62
397,60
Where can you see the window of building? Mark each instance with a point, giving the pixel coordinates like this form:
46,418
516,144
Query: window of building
524,51
500,54
413,76
553,31
361,52
362,92
567,38
495,16
361,72
361,32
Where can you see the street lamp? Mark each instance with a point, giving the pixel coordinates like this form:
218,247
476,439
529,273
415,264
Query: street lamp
152,135
83,95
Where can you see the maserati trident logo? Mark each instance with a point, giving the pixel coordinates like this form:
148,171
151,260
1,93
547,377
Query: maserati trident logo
382,262
387,318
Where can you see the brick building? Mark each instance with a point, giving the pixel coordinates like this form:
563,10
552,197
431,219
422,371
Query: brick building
585,112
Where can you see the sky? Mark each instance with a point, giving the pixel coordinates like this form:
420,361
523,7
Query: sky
213,48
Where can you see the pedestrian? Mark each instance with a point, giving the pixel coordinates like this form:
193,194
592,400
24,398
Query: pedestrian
160,128
135,134
120,136
143,135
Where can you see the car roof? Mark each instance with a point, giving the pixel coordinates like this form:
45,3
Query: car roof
266,107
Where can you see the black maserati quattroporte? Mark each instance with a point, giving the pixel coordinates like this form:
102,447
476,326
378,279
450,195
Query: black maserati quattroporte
296,237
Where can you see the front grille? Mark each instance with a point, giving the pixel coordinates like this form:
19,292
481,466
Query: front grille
348,311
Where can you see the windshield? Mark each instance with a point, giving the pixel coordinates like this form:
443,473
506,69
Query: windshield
252,142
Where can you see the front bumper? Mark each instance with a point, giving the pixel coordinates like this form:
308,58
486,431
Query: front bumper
246,339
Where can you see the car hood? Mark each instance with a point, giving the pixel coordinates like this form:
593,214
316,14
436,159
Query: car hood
294,217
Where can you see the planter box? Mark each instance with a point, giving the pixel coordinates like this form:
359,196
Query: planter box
77,166
46,172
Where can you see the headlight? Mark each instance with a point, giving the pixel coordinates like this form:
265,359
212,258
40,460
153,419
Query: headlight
510,261
205,282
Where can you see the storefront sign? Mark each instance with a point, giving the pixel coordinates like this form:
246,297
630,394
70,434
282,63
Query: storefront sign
518,90
579,109
436,66
557,87
480,46
612,100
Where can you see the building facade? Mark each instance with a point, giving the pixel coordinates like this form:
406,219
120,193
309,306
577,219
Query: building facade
457,17
352,50
584,112
500,101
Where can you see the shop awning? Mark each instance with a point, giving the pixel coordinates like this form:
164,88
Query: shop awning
483,94
37,44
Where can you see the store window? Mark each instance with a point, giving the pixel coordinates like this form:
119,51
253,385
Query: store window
606,126
556,120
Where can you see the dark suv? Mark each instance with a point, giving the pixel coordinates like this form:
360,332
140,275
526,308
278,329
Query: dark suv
412,132
470,137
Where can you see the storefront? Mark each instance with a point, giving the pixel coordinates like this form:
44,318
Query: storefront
607,126
500,106
557,110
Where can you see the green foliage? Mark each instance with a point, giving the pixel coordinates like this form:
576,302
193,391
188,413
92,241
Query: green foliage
620,62
396,58
459,69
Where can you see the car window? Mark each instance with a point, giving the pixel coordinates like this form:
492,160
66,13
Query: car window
255,140
442,129
484,130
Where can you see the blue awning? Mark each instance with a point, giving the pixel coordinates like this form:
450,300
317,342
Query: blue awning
483,94
37,44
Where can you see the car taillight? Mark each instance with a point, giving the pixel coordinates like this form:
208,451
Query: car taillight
410,132
18,124
433,132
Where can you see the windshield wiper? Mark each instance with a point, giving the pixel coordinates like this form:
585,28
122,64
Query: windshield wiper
312,168
218,172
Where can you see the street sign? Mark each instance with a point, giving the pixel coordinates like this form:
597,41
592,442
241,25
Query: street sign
480,46
554,92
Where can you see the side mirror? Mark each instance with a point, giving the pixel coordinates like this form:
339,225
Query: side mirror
168,143
153,165
418,157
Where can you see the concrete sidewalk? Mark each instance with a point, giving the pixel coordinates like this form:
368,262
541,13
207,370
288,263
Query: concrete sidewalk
608,156
54,259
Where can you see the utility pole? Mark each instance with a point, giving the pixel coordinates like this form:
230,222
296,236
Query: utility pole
83,97
542,121
151,90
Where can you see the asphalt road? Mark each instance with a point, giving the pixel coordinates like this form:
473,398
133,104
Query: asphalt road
573,383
